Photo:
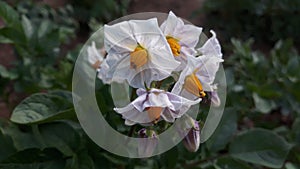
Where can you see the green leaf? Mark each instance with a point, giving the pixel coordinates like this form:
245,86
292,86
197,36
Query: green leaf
230,163
5,40
296,130
33,155
290,165
48,158
61,136
115,159
7,74
44,28
261,147
22,139
43,107
81,160
9,15
224,131
263,105
27,27
12,35
170,158
6,146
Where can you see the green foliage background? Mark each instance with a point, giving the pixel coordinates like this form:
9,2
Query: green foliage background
259,129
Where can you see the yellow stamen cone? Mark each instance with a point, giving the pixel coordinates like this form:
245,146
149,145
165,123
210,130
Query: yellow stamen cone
138,58
154,113
174,45
193,85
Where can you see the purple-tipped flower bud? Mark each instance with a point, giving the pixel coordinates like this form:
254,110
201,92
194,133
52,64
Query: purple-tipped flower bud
147,143
192,140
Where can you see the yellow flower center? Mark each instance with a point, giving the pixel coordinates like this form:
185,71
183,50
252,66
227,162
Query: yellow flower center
174,45
138,57
193,85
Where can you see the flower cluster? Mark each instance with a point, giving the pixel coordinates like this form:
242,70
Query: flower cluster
144,54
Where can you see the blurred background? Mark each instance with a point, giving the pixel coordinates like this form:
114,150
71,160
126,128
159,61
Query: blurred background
39,43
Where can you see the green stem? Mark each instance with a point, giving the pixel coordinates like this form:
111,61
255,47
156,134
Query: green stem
131,131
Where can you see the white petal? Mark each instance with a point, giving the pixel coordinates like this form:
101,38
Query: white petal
183,62
156,69
109,66
158,100
133,113
129,123
186,72
187,34
171,24
141,91
184,93
186,51
183,57
179,107
160,64
211,47
174,106
168,115
208,66
147,33
181,104
119,38
163,60
135,78
93,54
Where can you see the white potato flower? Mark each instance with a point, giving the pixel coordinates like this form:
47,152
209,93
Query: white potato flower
137,53
181,37
197,77
152,105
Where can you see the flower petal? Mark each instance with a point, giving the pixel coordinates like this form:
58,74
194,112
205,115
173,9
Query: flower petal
119,38
211,47
187,34
187,71
208,66
192,139
171,106
159,63
157,100
181,105
205,69
108,67
169,26
134,112
94,56
147,33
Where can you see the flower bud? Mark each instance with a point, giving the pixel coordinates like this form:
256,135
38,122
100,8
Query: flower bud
192,140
